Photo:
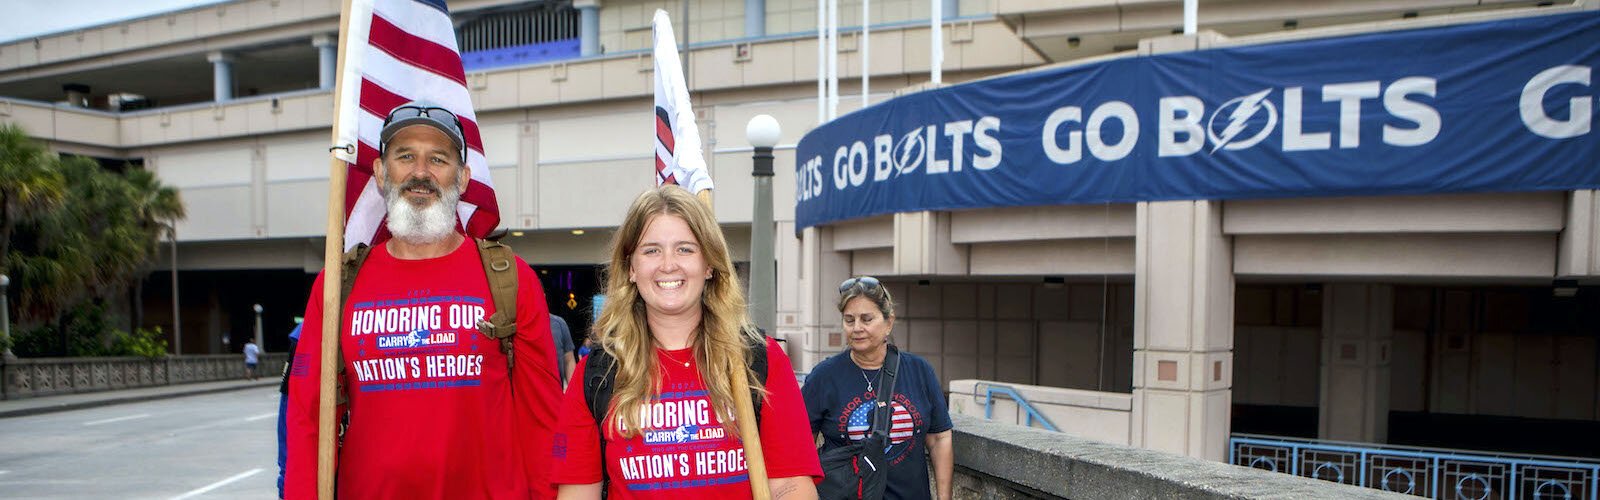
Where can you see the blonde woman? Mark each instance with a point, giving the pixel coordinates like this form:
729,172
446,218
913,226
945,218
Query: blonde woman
673,326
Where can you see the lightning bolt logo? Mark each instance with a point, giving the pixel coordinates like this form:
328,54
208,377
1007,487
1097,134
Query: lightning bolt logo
1244,108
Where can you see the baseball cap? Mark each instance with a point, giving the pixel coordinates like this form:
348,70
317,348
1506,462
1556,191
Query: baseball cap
423,112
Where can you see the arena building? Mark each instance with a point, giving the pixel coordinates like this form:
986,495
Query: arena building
1432,315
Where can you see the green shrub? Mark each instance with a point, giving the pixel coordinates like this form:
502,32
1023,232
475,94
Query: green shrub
145,342
36,342
88,331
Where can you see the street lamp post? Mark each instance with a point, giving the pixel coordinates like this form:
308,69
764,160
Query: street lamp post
177,326
259,345
5,317
763,133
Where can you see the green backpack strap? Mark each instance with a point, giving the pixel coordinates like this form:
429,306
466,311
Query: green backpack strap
349,266
500,267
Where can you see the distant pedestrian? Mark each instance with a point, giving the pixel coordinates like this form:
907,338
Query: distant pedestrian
563,338
252,355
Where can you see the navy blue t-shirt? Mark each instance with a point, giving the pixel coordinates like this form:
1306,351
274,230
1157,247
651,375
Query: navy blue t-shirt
840,407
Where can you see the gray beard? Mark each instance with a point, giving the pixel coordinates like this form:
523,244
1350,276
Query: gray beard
421,226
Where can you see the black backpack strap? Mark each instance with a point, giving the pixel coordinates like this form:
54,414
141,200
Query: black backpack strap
758,364
599,377
886,378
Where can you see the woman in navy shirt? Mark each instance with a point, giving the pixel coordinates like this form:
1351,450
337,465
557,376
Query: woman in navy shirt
840,392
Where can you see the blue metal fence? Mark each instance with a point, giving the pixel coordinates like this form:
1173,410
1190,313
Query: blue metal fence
1432,473
1030,414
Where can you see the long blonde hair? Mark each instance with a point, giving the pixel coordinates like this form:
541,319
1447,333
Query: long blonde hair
725,331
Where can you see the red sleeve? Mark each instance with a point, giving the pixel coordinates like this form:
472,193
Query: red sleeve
786,440
576,446
536,383
300,474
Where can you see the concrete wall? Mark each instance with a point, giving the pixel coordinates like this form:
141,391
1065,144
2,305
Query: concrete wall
1277,345
1016,333
1489,356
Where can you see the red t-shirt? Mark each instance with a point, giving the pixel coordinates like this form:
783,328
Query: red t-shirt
434,411
683,451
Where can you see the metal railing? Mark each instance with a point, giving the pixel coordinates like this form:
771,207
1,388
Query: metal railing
518,27
1431,473
1030,414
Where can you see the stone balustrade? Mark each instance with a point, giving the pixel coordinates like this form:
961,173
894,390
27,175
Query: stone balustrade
27,378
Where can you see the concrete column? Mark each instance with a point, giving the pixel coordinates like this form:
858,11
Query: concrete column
790,294
821,271
1357,333
755,18
588,27
922,245
221,75
327,60
1579,252
1183,329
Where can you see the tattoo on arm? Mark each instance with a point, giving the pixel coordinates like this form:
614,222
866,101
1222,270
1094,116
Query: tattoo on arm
783,490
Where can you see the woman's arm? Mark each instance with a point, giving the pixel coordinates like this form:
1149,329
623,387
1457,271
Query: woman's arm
944,461
793,488
589,491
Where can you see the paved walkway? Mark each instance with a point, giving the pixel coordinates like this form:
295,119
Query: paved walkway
48,404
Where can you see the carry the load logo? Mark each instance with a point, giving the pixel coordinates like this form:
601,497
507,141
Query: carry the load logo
416,339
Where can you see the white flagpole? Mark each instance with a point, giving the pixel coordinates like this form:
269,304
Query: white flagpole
936,52
866,52
822,61
832,60
1191,13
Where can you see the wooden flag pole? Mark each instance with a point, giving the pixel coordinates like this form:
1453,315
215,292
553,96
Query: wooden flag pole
333,255
755,461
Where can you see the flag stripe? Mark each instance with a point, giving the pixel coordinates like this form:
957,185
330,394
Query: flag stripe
418,18
419,52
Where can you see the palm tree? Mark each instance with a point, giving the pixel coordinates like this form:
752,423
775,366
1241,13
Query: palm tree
29,184
92,239
156,207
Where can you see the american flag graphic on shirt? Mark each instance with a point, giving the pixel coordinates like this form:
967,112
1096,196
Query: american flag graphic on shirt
901,427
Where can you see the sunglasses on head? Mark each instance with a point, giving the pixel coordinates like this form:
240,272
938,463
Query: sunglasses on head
404,112
867,284
408,112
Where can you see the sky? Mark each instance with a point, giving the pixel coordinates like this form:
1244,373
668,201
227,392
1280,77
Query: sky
29,18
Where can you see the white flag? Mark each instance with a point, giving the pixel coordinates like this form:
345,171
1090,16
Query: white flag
678,156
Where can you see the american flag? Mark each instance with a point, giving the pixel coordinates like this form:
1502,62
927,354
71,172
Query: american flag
397,51
678,156
901,427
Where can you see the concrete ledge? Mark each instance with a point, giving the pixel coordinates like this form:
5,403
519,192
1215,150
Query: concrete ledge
52,404
1010,461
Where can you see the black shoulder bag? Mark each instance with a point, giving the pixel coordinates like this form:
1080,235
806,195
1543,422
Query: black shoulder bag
859,470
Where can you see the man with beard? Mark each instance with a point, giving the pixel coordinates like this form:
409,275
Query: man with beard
435,409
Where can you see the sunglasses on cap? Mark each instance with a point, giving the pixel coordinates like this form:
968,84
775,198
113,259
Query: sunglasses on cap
867,284
440,116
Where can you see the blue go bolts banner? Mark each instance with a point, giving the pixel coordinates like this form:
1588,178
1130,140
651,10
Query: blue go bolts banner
1496,106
